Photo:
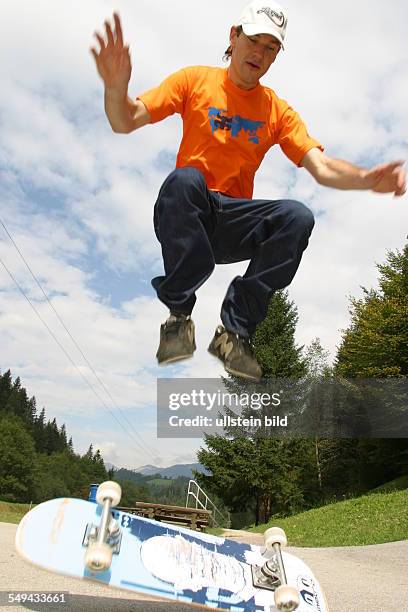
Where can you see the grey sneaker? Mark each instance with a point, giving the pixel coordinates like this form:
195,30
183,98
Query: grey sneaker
176,339
236,353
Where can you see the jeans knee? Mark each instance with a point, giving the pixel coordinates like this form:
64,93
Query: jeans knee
183,193
301,215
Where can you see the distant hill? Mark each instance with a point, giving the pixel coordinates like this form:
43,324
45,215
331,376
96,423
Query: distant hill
184,470
174,471
147,470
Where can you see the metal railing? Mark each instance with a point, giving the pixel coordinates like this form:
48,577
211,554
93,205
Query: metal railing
203,501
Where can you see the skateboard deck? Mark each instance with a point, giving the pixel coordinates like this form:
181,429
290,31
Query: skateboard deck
160,560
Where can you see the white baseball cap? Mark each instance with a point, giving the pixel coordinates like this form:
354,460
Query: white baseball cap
264,17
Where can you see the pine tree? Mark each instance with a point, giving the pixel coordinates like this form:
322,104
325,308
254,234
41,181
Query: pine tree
36,461
52,438
6,384
39,431
89,453
63,435
274,340
97,458
255,469
375,345
17,457
376,342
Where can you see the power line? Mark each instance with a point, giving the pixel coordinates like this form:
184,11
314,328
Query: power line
140,443
72,338
68,356
66,353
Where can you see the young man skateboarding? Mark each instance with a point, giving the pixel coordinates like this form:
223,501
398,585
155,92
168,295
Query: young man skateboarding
204,213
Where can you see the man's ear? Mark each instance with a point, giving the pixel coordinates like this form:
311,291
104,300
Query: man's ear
233,35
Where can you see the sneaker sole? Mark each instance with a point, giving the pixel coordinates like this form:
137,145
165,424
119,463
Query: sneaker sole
174,359
232,371
241,374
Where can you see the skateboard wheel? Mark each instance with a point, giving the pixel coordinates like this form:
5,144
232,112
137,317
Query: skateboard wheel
275,535
286,598
110,490
98,557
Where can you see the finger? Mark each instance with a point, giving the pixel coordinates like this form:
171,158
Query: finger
94,53
400,178
388,167
402,182
394,164
109,34
118,29
100,40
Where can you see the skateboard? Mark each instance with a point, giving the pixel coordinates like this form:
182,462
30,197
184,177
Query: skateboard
95,541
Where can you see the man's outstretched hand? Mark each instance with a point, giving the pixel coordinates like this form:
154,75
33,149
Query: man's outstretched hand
113,58
387,178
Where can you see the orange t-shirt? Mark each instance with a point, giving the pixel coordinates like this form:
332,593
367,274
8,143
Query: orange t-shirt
227,130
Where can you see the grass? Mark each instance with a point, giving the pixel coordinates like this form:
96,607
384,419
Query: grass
216,531
160,482
371,519
12,513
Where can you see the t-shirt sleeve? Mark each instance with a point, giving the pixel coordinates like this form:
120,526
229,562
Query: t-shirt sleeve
168,98
293,137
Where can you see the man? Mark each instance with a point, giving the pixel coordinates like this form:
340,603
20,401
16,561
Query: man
205,213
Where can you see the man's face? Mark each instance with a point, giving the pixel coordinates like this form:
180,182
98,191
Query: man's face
251,56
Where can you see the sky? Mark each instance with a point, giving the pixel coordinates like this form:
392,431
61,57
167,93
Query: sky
78,199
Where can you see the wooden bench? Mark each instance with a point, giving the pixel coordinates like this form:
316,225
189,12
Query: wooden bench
193,518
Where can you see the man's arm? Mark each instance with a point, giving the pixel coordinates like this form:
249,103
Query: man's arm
114,67
384,178
124,114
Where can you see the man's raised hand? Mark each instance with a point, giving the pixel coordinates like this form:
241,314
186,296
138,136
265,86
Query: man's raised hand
113,58
388,178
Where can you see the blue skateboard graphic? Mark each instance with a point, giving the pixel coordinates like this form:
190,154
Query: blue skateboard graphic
96,542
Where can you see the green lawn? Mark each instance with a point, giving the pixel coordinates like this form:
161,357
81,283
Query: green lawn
161,482
370,519
12,513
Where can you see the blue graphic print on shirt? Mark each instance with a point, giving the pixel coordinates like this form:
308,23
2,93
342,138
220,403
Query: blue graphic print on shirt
220,121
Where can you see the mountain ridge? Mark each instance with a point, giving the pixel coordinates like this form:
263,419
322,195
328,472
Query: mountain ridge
173,471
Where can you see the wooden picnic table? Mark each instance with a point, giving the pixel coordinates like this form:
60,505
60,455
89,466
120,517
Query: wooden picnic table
193,518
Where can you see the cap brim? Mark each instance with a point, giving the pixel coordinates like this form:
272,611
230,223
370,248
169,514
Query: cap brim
251,29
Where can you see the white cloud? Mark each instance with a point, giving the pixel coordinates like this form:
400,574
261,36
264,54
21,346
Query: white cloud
78,199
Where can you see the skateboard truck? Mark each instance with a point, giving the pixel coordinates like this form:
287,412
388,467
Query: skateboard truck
272,576
104,540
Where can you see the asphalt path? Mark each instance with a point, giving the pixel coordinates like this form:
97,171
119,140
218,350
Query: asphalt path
364,578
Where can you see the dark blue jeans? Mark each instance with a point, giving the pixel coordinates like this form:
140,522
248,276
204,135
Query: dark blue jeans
198,228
